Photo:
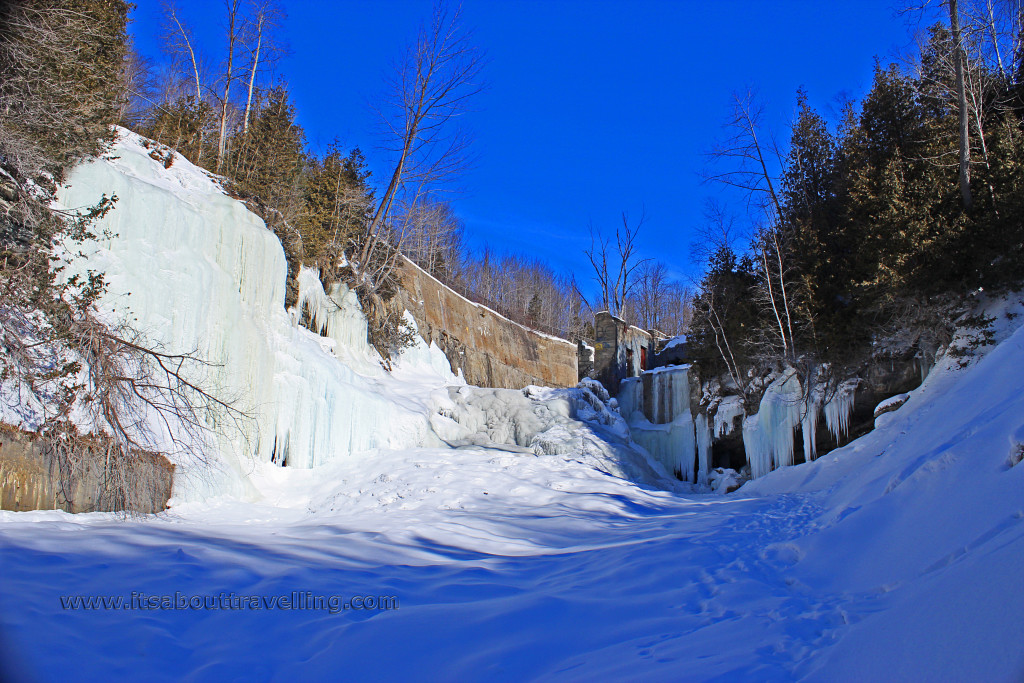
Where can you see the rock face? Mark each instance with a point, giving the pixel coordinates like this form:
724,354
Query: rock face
31,478
620,350
489,349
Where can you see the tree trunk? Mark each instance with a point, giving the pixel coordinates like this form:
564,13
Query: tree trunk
232,6
961,95
252,73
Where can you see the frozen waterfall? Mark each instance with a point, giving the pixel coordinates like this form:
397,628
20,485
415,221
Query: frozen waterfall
656,406
196,272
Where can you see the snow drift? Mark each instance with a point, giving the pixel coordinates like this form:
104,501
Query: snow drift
896,557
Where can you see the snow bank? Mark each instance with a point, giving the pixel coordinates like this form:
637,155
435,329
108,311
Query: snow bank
896,557
195,271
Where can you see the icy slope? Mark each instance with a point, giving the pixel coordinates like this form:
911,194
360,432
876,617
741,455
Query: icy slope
197,272
926,516
896,558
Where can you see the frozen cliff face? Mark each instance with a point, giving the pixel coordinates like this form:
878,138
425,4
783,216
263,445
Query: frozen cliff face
196,272
657,406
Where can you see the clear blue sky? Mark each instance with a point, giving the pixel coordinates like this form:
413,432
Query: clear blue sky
593,107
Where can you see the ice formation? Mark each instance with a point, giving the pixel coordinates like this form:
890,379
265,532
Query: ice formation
768,434
809,421
577,423
729,408
631,398
657,406
703,428
195,271
839,408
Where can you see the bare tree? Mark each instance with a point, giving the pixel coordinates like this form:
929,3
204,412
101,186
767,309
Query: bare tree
961,95
979,83
750,158
429,89
233,35
180,43
615,266
266,16
430,233
716,238
139,86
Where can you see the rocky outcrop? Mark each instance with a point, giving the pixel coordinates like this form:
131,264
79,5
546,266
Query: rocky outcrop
489,349
34,477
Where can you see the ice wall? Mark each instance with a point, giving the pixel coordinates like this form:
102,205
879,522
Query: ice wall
657,406
630,398
195,271
768,435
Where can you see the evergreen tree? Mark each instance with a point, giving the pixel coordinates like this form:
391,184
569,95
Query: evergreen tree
900,198
181,124
337,200
726,315
268,159
60,86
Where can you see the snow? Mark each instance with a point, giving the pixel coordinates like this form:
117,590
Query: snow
891,403
896,557
516,547
675,341
723,479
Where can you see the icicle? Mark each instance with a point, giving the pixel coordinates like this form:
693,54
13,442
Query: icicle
669,434
703,428
809,422
768,435
839,408
758,451
729,408
338,316
631,397
669,393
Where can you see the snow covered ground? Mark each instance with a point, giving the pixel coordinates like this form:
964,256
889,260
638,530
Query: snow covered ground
897,557
523,534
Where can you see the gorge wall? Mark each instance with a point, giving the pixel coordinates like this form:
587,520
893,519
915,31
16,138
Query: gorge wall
489,349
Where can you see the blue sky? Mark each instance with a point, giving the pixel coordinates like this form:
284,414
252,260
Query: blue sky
592,108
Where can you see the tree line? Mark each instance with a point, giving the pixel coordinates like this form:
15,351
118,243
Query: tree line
873,234
325,208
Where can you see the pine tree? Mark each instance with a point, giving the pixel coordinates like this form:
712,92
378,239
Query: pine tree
337,200
181,124
268,159
60,87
